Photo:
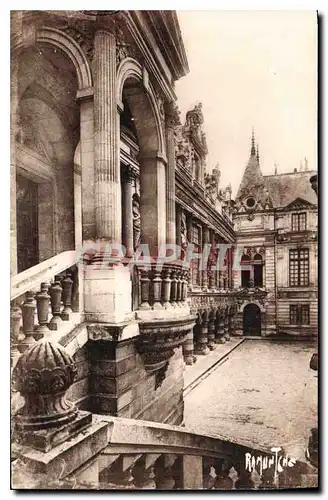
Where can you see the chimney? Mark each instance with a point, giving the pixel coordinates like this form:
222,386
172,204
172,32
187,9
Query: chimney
295,170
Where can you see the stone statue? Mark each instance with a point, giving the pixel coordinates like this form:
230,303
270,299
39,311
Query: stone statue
136,222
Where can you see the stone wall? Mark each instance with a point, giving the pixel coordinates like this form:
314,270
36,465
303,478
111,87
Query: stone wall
119,384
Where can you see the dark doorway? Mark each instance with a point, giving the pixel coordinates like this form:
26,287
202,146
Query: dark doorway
27,223
252,320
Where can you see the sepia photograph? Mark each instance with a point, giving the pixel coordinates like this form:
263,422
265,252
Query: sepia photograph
164,241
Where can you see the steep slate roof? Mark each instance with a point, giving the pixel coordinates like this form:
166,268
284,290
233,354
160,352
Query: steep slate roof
252,180
285,188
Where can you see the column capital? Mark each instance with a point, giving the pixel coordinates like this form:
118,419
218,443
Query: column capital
128,174
172,114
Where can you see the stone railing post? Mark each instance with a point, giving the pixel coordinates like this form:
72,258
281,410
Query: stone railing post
28,315
55,299
192,472
42,301
145,282
166,286
164,475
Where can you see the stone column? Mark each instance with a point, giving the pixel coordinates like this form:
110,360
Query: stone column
178,225
127,219
206,240
106,139
172,119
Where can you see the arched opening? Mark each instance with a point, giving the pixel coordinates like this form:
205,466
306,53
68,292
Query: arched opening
258,270
47,133
141,135
245,270
252,320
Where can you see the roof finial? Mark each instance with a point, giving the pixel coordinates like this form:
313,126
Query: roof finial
257,153
306,164
253,152
275,168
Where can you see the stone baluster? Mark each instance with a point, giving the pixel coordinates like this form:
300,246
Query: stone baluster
67,284
208,478
164,474
211,280
143,472
166,287
222,480
15,322
120,472
157,289
178,276
244,481
188,348
174,288
185,287
145,281
55,299
42,304
28,314
211,332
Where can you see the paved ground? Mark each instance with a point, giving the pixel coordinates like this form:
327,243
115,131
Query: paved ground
263,394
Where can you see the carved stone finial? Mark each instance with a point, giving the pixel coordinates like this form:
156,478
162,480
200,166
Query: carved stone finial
42,375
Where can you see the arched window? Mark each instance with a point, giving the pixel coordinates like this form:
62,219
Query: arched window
258,270
245,271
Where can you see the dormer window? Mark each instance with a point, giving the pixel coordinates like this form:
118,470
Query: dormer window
250,202
299,222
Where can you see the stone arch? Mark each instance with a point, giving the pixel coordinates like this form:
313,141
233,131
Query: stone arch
129,68
252,321
256,302
135,91
66,44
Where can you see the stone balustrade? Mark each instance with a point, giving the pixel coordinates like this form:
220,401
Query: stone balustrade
42,303
216,312
137,455
162,286
56,445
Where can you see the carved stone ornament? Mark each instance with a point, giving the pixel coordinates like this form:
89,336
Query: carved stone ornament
158,340
42,375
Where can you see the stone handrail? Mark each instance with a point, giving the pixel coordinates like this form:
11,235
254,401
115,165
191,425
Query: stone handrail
43,299
121,453
33,277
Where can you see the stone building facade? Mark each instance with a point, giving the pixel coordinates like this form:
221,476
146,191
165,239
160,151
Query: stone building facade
275,221
100,159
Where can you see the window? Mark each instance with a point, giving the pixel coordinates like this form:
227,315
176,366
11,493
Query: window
258,270
299,267
299,222
245,273
196,241
299,314
250,202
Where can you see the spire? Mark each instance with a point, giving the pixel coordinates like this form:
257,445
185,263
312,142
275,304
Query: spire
257,154
252,180
253,152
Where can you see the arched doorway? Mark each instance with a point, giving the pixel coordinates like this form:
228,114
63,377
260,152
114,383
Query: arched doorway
252,320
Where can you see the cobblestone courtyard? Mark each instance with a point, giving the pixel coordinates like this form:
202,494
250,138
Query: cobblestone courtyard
263,394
